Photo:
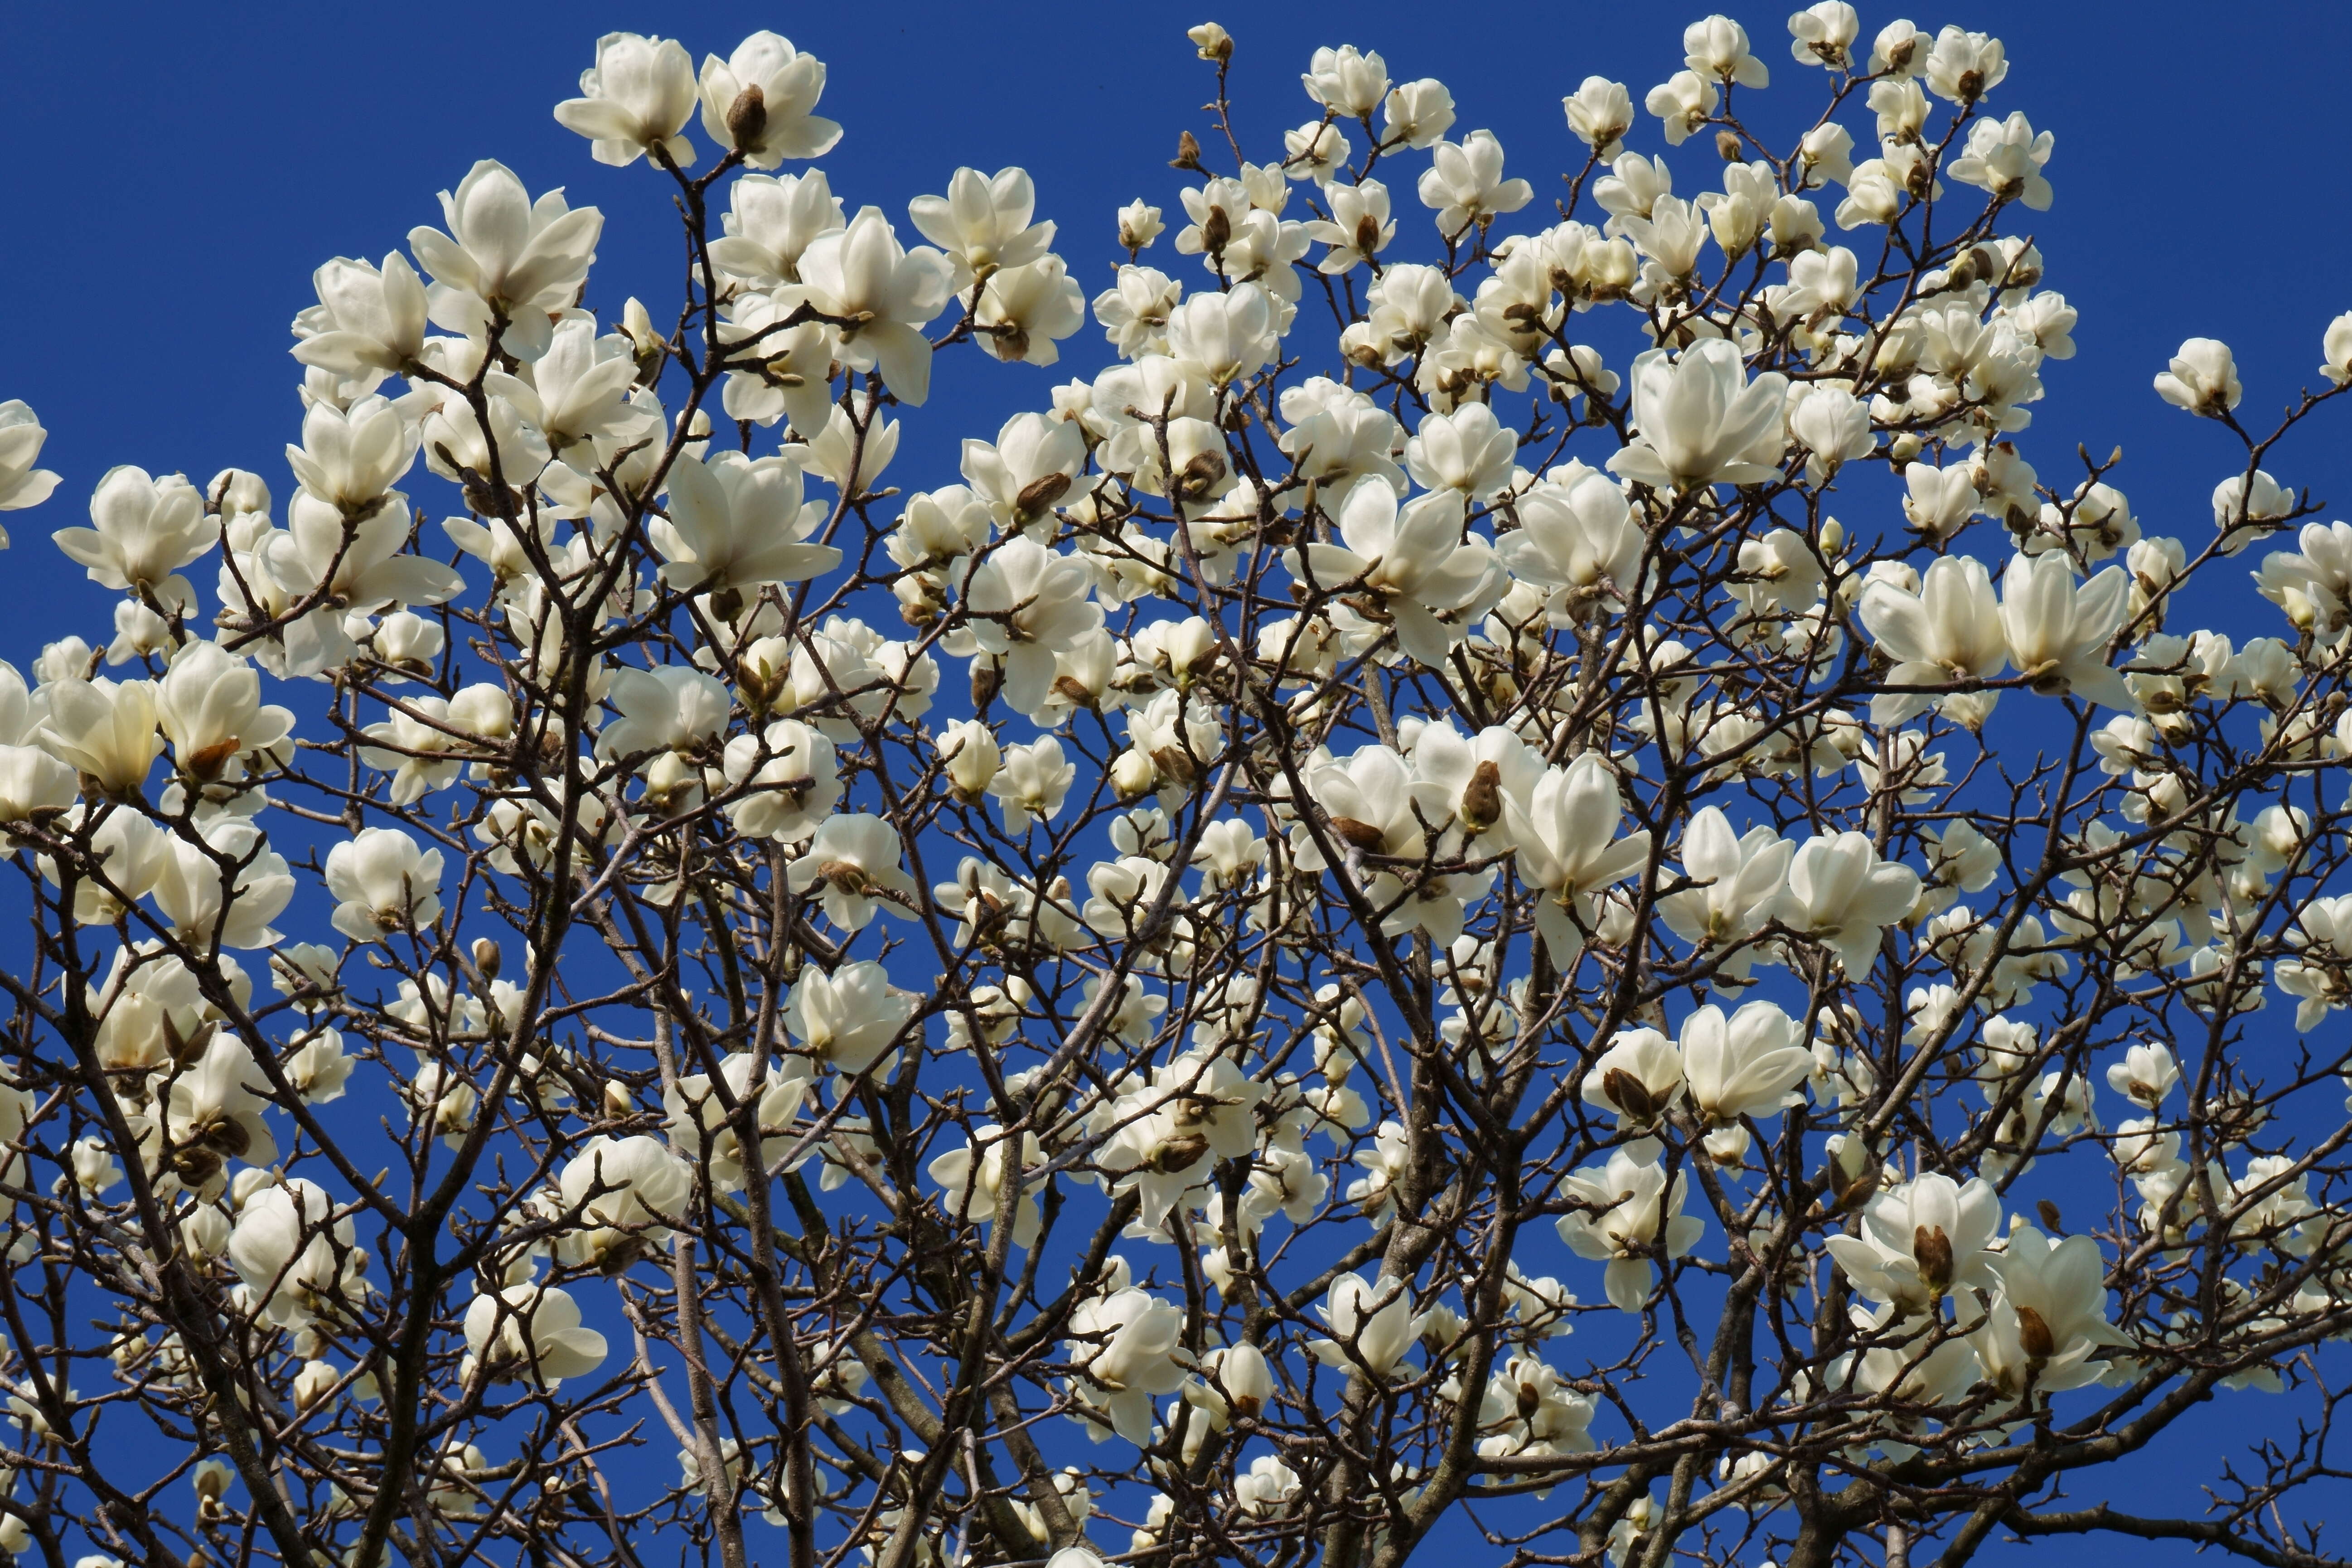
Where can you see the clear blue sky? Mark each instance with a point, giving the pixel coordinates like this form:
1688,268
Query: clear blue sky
179,171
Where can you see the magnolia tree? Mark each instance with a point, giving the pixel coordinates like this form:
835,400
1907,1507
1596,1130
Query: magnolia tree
1377,934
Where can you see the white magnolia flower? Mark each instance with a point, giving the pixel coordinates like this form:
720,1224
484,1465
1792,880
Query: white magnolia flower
2047,1319
1922,1241
983,222
369,321
386,883
2203,378
1950,630
1739,878
852,865
1638,1077
740,522
1568,846
636,98
1599,111
1842,895
623,1193
1429,580
973,1181
506,258
757,101
1373,1326
1631,1213
298,1256
1465,184
849,1017
143,531
669,707
1701,420
2059,632
1743,1066
1027,602
105,731
530,1332
209,707
21,484
1124,1353
862,274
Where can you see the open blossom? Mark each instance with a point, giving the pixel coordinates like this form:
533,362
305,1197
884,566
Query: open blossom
21,484
2059,631
504,258
1124,1353
2146,1075
982,223
847,1018
1023,311
369,319
625,1192
1414,560
770,222
1701,420
1962,66
1466,450
143,531
1465,184
105,731
1032,782
1138,224
973,1181
670,707
1346,81
1717,47
1742,1065
1576,532
636,98
739,522
209,706
1682,102
386,882
2336,344
1638,1077
1418,112
1738,877
1632,1211
1824,35
1032,465
1228,334
1373,1326
2203,378
852,865
1599,111
197,907
1921,1242
299,1255
861,273
707,1128
2049,1316
1027,601
1569,847
1358,228
530,1332
1842,895
757,102
1950,630
2005,157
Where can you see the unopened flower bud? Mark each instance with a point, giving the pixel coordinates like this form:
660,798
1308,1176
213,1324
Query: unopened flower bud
1214,43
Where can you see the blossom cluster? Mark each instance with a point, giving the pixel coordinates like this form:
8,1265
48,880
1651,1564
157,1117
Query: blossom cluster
1375,906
